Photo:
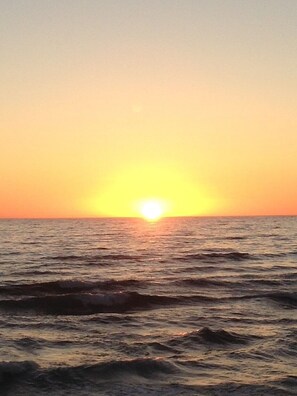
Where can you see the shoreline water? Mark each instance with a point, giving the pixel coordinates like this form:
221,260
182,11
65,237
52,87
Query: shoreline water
121,307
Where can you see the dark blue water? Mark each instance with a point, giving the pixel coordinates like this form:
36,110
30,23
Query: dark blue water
189,306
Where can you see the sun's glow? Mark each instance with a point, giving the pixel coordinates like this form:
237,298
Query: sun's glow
150,191
151,210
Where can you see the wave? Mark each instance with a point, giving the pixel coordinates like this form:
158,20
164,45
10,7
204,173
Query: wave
213,256
127,376
289,382
286,299
77,297
235,283
10,253
193,269
88,303
208,336
92,258
145,368
201,282
9,371
264,281
37,272
243,389
232,256
67,286
220,336
235,237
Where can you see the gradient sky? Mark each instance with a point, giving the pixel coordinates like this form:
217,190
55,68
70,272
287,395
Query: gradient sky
108,102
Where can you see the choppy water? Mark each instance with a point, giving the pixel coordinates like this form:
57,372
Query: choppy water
189,306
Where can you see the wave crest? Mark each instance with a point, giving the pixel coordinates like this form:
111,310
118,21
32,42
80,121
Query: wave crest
88,303
67,286
286,299
209,336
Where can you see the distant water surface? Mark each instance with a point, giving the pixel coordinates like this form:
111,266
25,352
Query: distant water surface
184,306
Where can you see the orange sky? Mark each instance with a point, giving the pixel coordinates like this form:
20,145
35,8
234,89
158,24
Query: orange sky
105,104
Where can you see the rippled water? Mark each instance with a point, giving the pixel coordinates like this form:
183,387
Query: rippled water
188,306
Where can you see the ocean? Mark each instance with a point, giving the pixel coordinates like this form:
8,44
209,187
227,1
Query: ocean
181,306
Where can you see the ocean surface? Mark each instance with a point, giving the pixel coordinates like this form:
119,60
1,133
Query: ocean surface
184,306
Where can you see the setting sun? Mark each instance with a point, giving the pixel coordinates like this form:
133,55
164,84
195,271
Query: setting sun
115,117
151,210
148,175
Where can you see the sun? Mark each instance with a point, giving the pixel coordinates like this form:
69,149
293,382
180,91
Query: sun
151,210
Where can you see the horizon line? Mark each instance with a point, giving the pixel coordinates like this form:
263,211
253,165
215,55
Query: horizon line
141,218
